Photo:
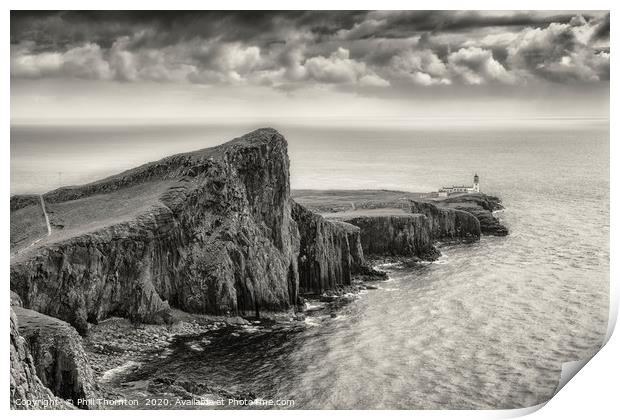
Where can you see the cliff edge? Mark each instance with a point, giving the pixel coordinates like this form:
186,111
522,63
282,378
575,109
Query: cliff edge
209,231
27,390
213,231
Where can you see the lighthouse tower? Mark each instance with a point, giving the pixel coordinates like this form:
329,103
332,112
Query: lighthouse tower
476,183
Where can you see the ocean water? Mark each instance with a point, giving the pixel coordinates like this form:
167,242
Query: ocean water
486,326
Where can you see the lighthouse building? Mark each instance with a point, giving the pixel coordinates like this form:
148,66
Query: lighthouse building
461,189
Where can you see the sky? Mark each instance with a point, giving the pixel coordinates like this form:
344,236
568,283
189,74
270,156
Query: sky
308,65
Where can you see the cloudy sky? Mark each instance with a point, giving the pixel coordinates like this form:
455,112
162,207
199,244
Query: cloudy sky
218,65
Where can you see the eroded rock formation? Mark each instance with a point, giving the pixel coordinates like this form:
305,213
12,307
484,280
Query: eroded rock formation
213,231
221,240
330,251
482,207
448,225
27,390
407,235
57,353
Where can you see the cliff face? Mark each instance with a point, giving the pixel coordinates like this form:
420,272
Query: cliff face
220,241
213,231
330,251
489,225
410,230
94,275
448,225
25,384
57,353
396,235
482,207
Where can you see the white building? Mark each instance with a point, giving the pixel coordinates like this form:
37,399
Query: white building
446,191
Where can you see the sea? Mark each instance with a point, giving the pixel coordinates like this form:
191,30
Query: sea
488,325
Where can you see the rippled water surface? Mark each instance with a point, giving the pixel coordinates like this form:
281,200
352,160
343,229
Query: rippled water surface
487,326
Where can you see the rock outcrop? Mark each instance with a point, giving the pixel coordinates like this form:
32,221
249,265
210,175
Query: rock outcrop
220,241
95,275
330,251
406,235
482,207
411,230
213,231
16,300
448,225
57,353
27,390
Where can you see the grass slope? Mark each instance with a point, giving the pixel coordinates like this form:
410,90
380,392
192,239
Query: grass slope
27,225
76,217
331,201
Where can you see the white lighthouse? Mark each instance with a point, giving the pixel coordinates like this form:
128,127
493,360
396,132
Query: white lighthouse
461,189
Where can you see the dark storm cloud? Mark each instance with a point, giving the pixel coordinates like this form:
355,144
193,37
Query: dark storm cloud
291,49
407,23
602,30
173,26
104,26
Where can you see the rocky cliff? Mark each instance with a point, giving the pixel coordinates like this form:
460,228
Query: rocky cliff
58,356
27,390
407,235
330,251
482,207
448,225
219,240
409,228
98,274
213,231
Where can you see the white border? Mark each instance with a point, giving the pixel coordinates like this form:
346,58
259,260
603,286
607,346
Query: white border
592,394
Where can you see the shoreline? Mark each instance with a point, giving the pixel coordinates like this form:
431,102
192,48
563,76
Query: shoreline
118,349
166,242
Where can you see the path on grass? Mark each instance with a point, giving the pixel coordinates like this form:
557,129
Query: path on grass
49,229
47,218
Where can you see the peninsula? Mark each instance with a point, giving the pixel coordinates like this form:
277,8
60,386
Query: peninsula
195,241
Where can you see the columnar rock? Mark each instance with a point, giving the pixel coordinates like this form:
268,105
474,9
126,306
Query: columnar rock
220,239
408,235
448,225
330,251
